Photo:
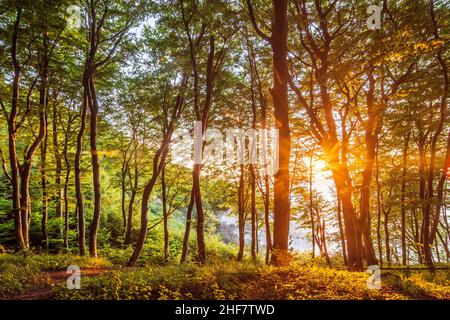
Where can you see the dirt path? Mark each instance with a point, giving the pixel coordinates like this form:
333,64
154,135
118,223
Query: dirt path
44,291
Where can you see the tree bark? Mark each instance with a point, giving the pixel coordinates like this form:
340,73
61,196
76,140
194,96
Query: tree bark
44,181
77,168
134,188
241,214
403,197
165,214
341,231
377,177
280,253
12,128
95,171
58,163
187,231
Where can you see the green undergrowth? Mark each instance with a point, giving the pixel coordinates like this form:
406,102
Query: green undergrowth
20,272
247,281
220,279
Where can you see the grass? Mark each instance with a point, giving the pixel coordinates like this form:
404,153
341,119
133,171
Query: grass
224,279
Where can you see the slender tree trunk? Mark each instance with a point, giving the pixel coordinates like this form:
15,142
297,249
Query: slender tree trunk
44,219
241,214
200,215
134,188
188,228
403,204
311,203
25,169
422,185
266,190
380,246
165,213
387,237
158,160
58,163
77,166
12,148
95,171
144,220
66,190
25,204
252,155
253,211
267,218
123,191
324,241
341,231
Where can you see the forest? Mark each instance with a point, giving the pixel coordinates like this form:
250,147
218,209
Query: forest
224,149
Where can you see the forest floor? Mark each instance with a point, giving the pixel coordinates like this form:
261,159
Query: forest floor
43,277
45,290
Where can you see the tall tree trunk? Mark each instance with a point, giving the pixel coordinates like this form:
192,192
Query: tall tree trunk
200,214
422,185
343,187
95,170
25,172
25,168
44,219
387,237
280,254
58,163
241,214
158,161
123,177
254,237
379,241
324,243
311,203
371,140
165,213
278,42
187,231
134,188
252,155
364,219
341,230
403,204
144,220
77,166
443,114
267,218
66,188
12,128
